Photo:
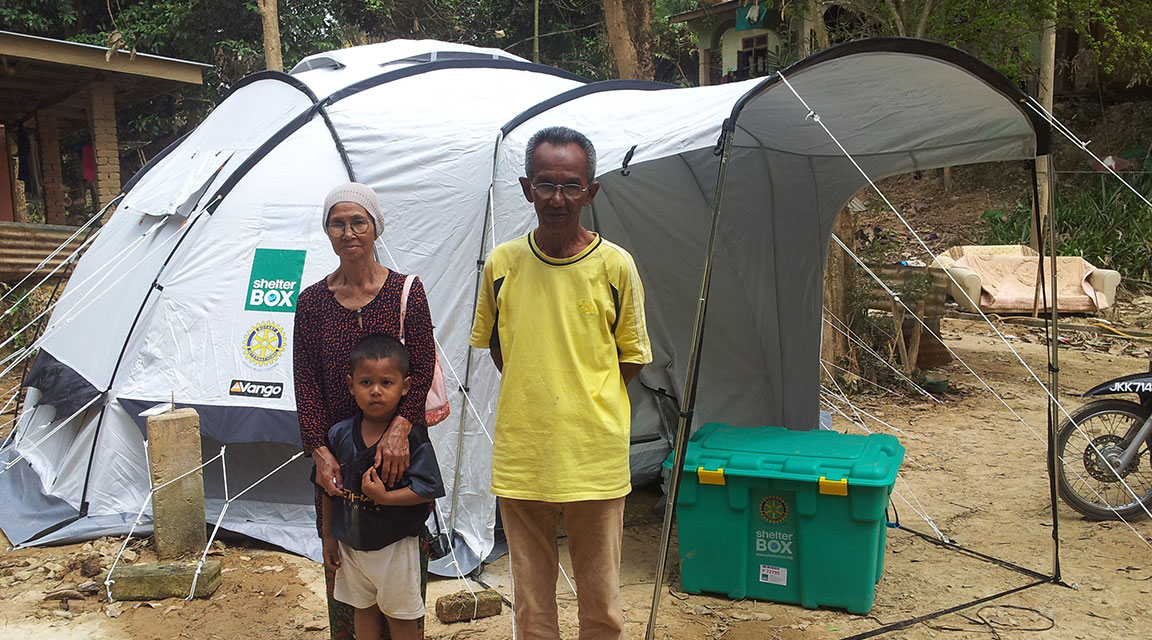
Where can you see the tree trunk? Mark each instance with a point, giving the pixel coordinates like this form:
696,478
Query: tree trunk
270,18
1043,172
818,25
837,282
897,17
629,26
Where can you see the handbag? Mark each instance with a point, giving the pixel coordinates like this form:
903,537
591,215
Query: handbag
436,407
438,544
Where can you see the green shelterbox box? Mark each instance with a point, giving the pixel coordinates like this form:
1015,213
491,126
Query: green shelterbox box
787,516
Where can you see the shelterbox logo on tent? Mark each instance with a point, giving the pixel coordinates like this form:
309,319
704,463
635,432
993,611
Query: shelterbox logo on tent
275,280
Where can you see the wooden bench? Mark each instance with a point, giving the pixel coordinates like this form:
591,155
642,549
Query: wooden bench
923,290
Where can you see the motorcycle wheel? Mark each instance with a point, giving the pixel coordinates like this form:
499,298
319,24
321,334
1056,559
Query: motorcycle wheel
1084,480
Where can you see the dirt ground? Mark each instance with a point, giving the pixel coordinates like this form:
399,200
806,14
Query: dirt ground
976,470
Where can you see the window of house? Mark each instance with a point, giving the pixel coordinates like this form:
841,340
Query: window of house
754,58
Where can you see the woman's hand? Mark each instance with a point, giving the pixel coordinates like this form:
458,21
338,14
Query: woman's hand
328,470
392,451
331,553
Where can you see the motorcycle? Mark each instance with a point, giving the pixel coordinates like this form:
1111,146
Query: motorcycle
1113,442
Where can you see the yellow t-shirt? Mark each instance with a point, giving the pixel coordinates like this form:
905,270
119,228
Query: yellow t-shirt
563,420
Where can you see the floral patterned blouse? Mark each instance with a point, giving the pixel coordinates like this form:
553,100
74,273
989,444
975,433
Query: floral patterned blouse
324,335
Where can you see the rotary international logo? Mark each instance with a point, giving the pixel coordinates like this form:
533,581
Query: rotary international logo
773,510
264,344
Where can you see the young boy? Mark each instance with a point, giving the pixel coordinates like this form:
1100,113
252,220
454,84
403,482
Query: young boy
370,532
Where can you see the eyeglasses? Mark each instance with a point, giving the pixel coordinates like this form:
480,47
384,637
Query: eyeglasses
359,227
546,190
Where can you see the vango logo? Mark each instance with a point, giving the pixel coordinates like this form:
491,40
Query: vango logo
250,389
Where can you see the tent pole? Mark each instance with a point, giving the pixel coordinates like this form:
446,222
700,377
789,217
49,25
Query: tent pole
688,402
488,213
1053,374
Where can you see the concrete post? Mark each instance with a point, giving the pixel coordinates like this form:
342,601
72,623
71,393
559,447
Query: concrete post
51,167
178,509
105,144
705,66
7,180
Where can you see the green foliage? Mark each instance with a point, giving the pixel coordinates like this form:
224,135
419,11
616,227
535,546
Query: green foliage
20,315
37,17
1003,33
1008,227
874,331
1107,224
1118,31
1098,219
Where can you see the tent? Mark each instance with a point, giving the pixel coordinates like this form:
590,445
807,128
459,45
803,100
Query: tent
186,296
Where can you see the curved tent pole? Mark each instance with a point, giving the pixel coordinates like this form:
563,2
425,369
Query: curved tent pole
579,92
688,401
210,208
298,84
123,349
464,388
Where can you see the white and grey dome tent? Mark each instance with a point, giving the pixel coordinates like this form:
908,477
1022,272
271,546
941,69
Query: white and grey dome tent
188,292
431,137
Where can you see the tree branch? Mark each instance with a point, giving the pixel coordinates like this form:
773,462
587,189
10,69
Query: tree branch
555,33
900,31
922,25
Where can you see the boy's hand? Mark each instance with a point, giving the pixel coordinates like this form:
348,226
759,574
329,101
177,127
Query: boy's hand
373,486
331,553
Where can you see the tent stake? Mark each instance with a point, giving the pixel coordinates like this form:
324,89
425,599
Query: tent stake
688,401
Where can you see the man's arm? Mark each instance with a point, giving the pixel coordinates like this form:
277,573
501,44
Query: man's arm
495,352
629,370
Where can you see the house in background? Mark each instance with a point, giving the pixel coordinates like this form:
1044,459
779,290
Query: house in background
51,90
741,39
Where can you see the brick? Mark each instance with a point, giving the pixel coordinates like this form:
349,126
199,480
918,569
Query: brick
156,581
463,606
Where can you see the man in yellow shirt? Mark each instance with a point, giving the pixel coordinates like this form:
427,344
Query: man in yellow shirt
562,311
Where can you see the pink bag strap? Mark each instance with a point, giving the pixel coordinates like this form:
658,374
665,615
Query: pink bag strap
404,303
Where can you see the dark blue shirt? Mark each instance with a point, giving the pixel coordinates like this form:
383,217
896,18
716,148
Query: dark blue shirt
359,522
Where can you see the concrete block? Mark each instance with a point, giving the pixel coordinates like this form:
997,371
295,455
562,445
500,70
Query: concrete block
178,509
462,606
164,580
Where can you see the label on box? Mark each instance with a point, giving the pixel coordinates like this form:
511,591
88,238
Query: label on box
774,575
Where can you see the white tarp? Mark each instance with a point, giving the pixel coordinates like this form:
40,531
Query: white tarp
190,288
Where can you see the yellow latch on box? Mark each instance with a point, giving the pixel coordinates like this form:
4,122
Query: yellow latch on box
833,487
708,476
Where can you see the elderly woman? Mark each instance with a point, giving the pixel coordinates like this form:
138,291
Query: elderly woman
359,298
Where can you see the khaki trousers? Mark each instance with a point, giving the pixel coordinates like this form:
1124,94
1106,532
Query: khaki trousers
595,531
